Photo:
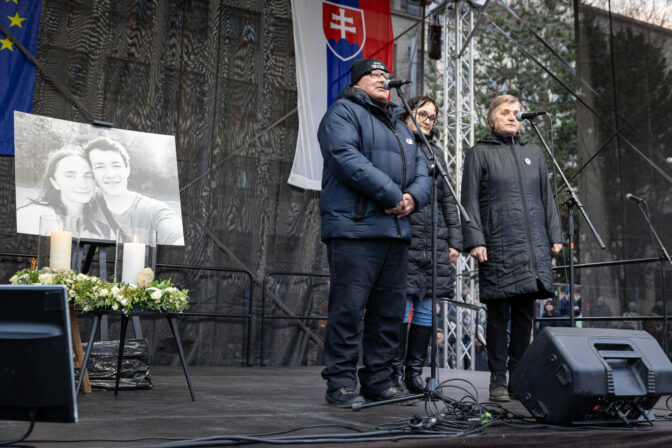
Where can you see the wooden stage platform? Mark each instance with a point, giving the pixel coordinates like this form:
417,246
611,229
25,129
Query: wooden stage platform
256,400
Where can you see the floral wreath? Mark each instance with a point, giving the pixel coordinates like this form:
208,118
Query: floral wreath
91,293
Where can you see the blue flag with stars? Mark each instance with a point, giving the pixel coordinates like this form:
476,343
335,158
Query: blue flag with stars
17,73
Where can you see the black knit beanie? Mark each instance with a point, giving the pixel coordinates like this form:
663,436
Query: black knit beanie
362,67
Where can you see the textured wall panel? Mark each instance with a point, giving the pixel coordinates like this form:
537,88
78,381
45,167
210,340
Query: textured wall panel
216,74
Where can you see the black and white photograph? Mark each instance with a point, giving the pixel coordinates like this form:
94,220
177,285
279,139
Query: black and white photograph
109,178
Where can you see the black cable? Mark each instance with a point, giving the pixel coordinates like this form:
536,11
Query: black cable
31,415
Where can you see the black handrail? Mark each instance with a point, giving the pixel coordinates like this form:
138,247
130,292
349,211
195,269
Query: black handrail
248,317
263,306
250,310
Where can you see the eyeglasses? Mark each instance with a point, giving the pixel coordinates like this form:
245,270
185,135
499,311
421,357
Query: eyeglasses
380,74
422,116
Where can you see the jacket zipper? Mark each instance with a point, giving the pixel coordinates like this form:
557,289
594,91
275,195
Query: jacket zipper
527,216
403,164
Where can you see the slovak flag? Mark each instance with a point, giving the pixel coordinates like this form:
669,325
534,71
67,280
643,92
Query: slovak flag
328,37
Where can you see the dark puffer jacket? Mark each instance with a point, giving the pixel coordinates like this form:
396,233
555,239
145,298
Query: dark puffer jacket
370,160
419,283
506,192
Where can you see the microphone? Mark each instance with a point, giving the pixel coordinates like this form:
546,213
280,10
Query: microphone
528,115
392,83
635,198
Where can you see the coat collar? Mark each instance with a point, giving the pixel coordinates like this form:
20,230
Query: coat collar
495,138
358,96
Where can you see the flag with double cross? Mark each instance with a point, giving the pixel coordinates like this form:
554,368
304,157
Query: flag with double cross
328,36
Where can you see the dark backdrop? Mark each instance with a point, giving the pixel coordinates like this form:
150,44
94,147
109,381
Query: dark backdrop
217,75
626,67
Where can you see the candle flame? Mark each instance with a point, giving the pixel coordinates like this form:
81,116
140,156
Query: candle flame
136,239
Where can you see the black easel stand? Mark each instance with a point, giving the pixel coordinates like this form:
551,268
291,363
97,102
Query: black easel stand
122,344
436,170
100,319
571,202
666,254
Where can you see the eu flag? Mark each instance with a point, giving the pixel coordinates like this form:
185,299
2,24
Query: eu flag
17,73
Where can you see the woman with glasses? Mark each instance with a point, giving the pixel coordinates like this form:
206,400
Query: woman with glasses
419,281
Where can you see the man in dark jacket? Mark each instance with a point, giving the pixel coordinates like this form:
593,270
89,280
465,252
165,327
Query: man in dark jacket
514,227
373,177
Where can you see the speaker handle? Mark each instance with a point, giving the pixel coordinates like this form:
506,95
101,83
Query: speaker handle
624,349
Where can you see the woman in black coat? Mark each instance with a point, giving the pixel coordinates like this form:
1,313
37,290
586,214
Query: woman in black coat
513,230
419,280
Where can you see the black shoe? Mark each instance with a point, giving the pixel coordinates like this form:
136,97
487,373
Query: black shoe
344,397
416,355
512,393
498,390
389,394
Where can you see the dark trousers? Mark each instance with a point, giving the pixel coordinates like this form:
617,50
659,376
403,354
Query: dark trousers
521,311
365,275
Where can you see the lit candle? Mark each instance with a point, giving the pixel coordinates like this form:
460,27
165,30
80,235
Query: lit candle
133,262
60,250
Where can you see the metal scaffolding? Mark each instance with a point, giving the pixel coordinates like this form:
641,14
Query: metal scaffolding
459,323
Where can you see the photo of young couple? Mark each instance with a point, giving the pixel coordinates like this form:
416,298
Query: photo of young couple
108,178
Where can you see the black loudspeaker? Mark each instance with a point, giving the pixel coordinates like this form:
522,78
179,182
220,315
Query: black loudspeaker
592,376
434,41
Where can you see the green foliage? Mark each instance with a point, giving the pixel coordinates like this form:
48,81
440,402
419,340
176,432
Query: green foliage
90,293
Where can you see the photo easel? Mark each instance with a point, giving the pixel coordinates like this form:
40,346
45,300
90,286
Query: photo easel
79,356
102,274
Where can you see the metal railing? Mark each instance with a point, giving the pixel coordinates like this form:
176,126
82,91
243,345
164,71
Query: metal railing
262,361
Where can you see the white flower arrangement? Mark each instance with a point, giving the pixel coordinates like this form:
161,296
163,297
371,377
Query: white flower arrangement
91,293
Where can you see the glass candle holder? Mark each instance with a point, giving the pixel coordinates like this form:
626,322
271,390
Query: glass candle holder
136,251
58,243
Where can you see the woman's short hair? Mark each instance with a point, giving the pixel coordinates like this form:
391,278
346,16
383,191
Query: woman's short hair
419,101
107,144
495,103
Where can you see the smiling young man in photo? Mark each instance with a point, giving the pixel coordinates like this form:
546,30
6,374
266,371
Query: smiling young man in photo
122,208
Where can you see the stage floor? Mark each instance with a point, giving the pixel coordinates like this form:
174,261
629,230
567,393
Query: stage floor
255,400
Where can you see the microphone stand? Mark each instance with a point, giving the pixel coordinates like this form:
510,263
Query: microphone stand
571,202
435,169
667,256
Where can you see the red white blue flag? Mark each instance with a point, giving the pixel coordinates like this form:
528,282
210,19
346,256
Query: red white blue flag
328,37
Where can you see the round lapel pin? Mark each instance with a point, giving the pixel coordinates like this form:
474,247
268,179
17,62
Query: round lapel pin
409,140
528,161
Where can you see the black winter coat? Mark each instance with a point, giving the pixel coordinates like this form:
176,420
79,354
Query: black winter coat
370,160
449,234
507,195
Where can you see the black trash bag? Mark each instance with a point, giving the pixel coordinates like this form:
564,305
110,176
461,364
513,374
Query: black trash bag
102,365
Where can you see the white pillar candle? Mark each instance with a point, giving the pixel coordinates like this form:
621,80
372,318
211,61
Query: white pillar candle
133,262
60,250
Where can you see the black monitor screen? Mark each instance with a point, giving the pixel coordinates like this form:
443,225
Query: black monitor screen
36,372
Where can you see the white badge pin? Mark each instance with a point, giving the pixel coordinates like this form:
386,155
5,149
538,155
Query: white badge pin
528,161
409,140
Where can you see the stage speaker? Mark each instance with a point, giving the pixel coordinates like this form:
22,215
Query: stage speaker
36,369
435,31
592,376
